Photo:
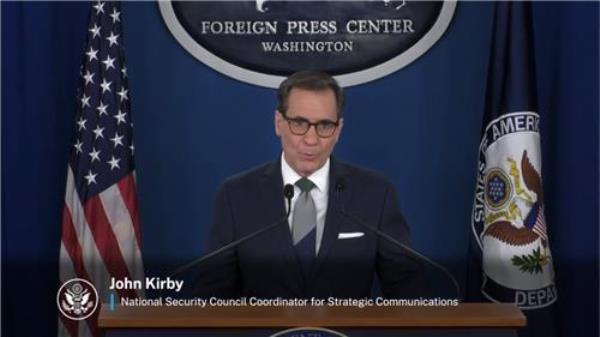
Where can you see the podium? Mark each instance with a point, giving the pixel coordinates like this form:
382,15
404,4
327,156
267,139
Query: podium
466,319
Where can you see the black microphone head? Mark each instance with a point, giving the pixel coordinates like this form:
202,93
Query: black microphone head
288,191
339,185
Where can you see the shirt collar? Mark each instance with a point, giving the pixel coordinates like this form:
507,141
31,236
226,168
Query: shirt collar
320,177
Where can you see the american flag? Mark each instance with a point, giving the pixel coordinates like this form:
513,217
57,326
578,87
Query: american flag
100,229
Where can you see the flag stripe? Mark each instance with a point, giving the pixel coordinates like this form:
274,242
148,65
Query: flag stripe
127,188
92,260
72,247
540,225
107,242
90,327
117,215
67,327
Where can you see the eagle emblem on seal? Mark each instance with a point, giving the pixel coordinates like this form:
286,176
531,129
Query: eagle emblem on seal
77,300
520,220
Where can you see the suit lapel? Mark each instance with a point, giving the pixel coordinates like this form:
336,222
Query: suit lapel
333,216
273,195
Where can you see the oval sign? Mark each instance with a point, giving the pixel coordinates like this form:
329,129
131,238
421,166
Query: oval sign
261,42
312,332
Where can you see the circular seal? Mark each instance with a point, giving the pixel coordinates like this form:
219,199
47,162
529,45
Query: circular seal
261,42
313,332
498,189
77,299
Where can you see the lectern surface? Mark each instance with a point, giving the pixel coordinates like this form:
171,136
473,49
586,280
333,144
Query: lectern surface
467,319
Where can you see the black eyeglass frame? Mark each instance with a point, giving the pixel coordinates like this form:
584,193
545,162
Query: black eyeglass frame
290,120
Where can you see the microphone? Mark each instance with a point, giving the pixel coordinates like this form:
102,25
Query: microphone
339,188
288,193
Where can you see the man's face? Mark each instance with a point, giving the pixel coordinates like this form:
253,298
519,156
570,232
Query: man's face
309,152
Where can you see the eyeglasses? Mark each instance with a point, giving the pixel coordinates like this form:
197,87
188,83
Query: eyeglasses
300,126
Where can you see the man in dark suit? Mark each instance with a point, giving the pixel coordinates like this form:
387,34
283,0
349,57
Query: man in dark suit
318,251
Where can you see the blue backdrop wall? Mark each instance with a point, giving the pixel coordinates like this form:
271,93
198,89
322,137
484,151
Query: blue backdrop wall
194,127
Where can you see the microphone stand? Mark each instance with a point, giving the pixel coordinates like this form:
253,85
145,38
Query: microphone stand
340,187
288,192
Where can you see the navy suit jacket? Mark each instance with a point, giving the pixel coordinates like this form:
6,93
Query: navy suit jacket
266,266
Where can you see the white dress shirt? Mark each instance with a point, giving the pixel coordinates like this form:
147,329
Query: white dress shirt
319,193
